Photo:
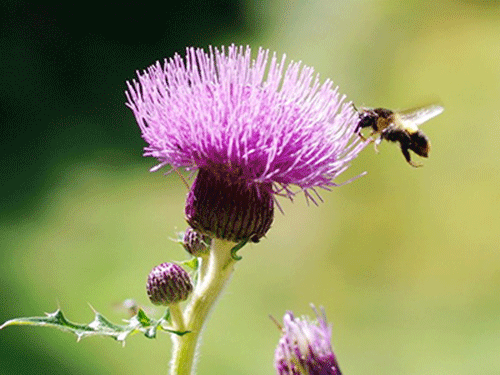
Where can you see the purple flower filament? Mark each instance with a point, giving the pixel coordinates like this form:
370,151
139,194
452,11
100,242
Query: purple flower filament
273,127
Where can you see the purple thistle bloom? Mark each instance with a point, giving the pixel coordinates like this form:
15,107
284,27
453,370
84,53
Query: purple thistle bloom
305,347
253,123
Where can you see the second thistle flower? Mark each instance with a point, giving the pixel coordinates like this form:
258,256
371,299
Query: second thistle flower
305,347
253,128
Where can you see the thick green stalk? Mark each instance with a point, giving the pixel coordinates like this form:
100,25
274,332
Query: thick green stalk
219,269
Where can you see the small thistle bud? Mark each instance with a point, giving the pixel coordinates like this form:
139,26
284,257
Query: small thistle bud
195,243
223,204
168,283
305,347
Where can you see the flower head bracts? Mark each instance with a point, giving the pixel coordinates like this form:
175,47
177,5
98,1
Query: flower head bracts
273,127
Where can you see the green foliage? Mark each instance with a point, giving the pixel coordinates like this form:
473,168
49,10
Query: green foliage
100,326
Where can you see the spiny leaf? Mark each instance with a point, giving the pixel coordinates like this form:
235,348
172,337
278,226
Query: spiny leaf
100,326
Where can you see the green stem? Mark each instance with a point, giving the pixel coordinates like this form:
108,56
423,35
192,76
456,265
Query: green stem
177,317
219,269
203,269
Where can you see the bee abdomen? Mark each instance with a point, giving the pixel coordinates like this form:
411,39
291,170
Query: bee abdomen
420,144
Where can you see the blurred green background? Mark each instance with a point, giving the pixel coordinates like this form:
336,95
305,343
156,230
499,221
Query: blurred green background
406,261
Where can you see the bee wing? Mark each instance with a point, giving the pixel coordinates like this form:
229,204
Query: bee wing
418,116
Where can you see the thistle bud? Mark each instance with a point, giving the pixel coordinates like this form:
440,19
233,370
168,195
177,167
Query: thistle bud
168,283
195,243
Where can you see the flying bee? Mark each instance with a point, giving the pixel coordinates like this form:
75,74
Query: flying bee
400,126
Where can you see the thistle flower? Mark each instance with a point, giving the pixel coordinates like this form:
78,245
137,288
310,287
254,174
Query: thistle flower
167,284
251,127
305,347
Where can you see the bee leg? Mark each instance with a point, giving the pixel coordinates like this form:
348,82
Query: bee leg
376,143
407,156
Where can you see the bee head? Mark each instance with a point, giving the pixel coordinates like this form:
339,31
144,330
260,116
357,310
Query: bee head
367,119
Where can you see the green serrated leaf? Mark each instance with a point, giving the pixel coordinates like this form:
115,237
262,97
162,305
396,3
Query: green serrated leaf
100,326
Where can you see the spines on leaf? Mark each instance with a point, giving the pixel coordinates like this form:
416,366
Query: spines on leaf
100,326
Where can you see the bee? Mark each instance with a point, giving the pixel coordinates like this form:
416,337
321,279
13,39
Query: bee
400,126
